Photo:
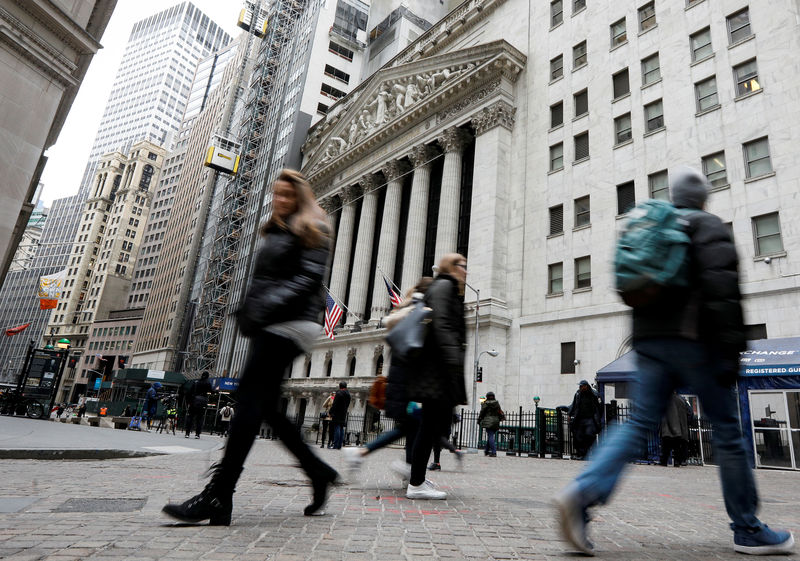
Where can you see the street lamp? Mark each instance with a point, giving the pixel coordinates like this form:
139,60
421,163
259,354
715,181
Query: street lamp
478,355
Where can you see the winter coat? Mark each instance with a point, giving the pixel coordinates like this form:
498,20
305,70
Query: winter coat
440,376
596,407
709,310
200,390
286,283
676,419
491,415
398,378
341,403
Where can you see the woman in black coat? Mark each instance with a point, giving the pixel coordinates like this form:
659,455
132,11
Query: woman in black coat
439,383
282,315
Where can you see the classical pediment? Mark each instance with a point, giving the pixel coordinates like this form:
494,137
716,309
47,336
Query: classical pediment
398,97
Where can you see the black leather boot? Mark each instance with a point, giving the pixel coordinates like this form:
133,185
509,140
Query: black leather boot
324,477
214,503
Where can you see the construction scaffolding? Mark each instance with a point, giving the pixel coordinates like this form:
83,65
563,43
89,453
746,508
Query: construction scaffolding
259,97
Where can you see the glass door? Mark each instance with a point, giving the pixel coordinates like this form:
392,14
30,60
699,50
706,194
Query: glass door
776,428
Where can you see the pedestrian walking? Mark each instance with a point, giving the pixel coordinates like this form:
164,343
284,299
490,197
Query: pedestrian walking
685,337
438,382
125,413
585,416
325,421
198,401
489,418
281,314
397,402
82,409
338,412
150,406
674,431
225,416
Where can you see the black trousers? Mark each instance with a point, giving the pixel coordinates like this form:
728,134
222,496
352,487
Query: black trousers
259,397
325,431
676,445
195,418
585,433
436,416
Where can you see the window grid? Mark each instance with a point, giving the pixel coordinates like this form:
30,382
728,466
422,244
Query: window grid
557,157
658,183
556,114
619,34
626,197
622,128
701,44
583,272
647,16
746,77
555,278
714,169
556,220
739,26
622,85
706,94
578,5
767,234
581,102
556,12
568,358
654,116
581,146
582,211
756,158
579,55
651,69
556,67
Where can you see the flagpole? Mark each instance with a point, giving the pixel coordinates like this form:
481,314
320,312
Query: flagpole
341,304
397,288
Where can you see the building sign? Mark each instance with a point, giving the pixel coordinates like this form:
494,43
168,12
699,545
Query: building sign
155,374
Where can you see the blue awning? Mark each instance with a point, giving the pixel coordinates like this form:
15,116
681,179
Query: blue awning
621,370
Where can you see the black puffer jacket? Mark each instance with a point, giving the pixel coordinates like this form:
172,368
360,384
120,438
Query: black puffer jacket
441,374
286,283
710,309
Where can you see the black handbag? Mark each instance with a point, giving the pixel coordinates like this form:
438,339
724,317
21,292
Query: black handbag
407,338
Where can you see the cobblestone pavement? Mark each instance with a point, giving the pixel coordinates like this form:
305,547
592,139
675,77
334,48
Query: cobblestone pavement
497,508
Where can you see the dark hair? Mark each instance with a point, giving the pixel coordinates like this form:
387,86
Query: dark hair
204,375
489,395
342,385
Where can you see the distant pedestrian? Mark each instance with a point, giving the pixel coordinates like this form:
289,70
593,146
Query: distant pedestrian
198,400
325,421
281,314
60,410
439,381
82,409
341,403
490,417
150,406
225,416
585,416
674,431
125,413
688,336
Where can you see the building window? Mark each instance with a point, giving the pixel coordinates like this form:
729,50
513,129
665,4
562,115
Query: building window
581,146
767,234
581,100
626,197
556,114
579,55
556,12
647,16
622,128
583,272
619,35
337,74
568,358
555,278
343,52
651,70
756,158
330,91
578,5
739,26
622,85
746,77
582,212
557,157
705,94
352,371
701,44
658,183
328,368
654,116
556,220
322,108
557,67
714,169
755,331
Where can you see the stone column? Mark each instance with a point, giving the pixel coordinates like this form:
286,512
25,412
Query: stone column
414,252
330,206
344,240
359,279
387,246
452,141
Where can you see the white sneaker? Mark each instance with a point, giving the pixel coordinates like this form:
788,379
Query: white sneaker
424,491
353,458
401,468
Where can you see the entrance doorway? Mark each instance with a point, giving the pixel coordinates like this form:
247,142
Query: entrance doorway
775,425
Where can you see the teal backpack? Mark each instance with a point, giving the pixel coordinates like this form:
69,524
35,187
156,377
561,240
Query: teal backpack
652,253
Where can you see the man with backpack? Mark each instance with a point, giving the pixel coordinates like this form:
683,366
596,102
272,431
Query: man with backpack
688,330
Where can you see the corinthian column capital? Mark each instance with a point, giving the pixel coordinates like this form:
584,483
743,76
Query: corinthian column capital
330,204
368,183
394,169
421,155
351,193
453,139
499,114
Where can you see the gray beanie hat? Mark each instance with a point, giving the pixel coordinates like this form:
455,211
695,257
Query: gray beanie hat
688,188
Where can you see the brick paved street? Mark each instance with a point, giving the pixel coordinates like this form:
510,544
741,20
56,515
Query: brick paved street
498,508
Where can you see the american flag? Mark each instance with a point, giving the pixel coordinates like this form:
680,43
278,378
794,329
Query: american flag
333,313
393,296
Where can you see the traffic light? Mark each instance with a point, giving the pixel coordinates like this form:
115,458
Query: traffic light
121,360
73,362
479,375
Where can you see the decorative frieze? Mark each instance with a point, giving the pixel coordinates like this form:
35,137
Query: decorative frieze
460,106
499,114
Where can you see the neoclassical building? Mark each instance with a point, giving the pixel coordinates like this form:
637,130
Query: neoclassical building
519,134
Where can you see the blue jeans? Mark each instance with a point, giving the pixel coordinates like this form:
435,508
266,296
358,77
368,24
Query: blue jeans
665,364
491,445
338,435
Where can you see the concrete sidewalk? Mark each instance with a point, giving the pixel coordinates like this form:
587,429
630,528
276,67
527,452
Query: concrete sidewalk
498,508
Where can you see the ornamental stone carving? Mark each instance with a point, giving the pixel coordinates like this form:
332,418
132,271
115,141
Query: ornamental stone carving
368,183
453,139
394,169
351,352
460,106
377,352
499,114
331,204
351,193
328,356
422,155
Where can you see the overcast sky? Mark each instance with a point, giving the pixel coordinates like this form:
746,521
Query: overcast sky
67,157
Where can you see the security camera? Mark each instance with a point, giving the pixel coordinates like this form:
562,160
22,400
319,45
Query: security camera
576,362
767,260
